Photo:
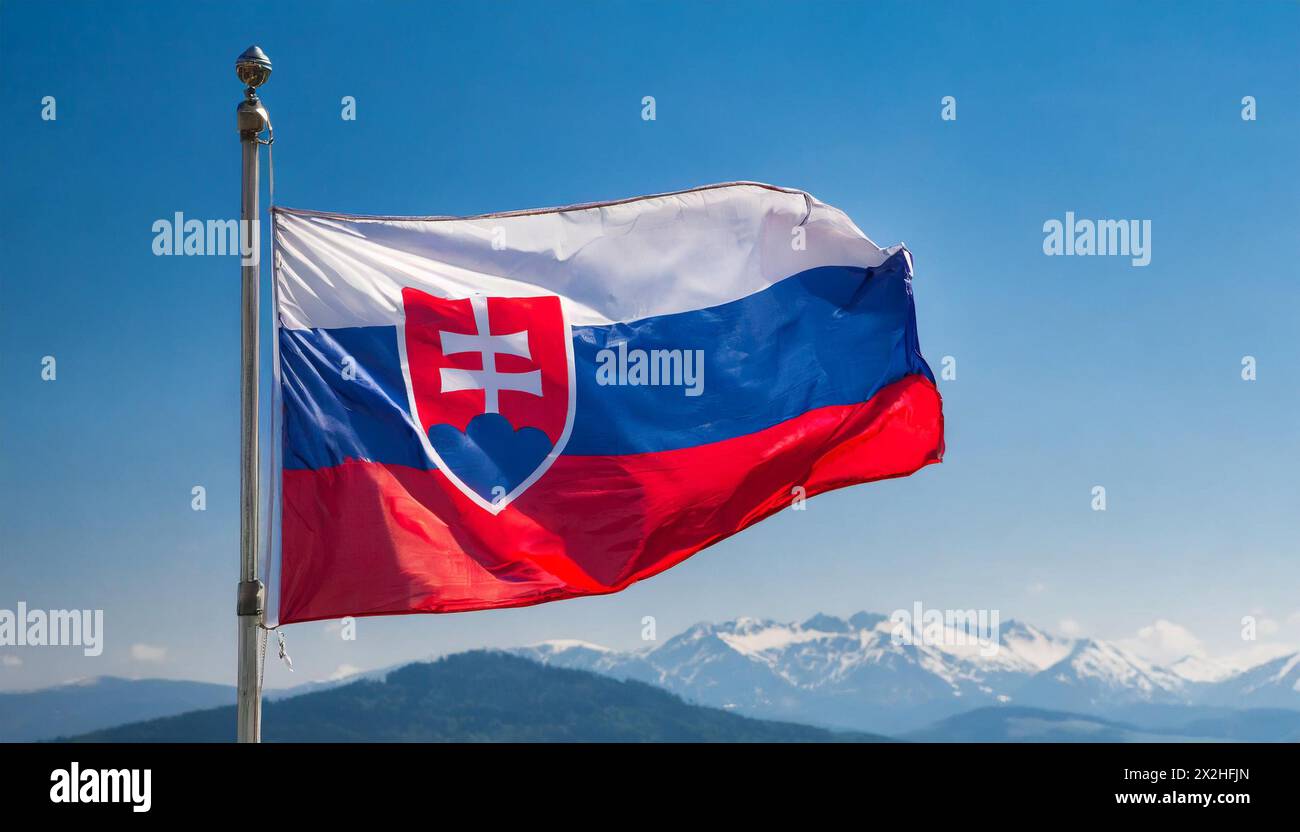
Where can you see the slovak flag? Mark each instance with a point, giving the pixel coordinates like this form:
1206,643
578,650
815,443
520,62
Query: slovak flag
516,408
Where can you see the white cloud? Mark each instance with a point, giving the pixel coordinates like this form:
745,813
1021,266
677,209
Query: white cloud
1036,588
1274,636
1164,642
148,653
343,672
1256,654
11,661
1069,627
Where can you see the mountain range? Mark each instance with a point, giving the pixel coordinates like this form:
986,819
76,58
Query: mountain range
479,696
99,702
851,673
837,674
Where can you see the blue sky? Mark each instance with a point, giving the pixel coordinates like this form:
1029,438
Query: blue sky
1072,371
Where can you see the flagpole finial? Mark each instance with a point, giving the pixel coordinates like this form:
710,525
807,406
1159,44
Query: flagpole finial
253,67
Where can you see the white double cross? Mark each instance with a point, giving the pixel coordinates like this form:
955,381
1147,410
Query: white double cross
488,347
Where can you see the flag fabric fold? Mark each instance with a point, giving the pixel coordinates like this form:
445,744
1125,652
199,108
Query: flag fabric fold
516,408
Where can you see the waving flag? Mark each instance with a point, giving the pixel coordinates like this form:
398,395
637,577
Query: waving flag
517,408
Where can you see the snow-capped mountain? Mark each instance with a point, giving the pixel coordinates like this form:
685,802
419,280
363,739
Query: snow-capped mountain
1273,684
1197,669
855,673
1097,675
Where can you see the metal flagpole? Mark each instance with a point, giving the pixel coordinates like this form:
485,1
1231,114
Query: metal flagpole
253,68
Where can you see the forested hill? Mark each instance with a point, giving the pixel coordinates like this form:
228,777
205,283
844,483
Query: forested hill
480,696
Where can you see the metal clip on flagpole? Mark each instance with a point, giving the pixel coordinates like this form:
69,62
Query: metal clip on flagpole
253,69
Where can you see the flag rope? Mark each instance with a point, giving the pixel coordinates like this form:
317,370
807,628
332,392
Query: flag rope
273,477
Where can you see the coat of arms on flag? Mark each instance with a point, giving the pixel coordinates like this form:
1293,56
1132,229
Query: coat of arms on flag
490,381
616,387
